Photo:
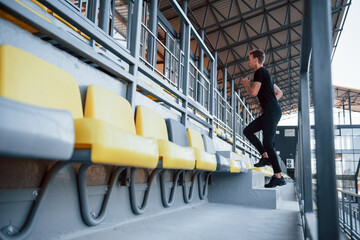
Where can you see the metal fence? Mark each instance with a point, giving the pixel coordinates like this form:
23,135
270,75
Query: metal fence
349,218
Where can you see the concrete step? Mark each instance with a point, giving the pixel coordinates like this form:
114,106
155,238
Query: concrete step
246,189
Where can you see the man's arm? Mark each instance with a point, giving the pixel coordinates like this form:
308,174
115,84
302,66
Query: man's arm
252,90
278,92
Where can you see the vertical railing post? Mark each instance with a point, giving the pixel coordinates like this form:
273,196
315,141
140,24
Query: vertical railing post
129,25
92,15
134,50
187,29
225,94
243,125
305,141
233,103
111,31
213,82
350,216
328,220
182,74
201,71
151,58
350,118
104,15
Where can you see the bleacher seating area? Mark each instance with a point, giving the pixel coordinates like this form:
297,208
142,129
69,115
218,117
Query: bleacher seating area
43,118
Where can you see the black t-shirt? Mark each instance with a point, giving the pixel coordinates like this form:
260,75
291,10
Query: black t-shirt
266,93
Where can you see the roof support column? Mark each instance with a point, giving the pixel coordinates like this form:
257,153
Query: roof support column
328,219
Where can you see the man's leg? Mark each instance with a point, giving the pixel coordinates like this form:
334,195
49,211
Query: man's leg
269,132
250,131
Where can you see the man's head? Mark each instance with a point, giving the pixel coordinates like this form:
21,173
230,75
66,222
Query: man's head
256,58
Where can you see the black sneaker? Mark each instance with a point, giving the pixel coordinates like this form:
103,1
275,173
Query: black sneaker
274,182
262,163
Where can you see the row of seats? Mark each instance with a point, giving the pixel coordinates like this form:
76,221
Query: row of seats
43,118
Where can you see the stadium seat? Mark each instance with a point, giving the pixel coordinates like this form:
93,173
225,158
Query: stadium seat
223,163
204,161
174,156
108,129
238,162
38,104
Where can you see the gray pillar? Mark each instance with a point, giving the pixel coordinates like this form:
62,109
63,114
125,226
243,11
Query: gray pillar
305,140
213,82
244,121
129,25
186,72
344,112
92,15
201,69
153,28
327,201
182,45
104,15
304,118
233,103
225,84
134,50
92,10
349,97
113,18
225,94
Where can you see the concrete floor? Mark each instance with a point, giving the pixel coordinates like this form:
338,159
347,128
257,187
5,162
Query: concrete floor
216,221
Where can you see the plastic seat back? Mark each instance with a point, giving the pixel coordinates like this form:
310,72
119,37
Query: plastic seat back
209,144
109,107
150,124
29,79
195,139
177,133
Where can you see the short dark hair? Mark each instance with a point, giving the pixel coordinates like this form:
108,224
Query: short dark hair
259,54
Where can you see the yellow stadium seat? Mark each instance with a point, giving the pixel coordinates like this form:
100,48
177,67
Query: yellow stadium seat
108,130
204,160
151,124
235,166
38,102
37,82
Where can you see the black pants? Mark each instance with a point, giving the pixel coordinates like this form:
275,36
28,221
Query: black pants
267,122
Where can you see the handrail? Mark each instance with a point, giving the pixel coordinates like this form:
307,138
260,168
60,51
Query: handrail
349,215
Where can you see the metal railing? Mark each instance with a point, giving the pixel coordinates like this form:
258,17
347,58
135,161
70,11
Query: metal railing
172,64
223,114
199,86
349,217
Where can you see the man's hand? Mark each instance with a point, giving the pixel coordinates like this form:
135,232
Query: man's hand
246,81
